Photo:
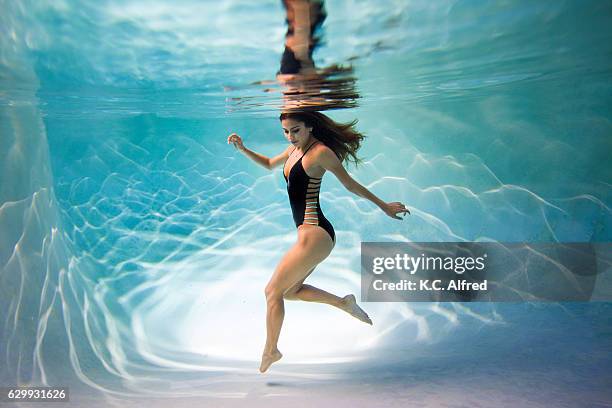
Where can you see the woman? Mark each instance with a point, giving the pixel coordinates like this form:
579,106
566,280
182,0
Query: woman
318,144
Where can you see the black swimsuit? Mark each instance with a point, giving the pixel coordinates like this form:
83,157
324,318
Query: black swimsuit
303,193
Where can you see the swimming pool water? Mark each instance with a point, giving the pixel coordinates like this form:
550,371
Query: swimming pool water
135,243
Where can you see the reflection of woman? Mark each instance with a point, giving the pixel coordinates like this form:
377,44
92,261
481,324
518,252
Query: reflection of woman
304,86
303,17
318,144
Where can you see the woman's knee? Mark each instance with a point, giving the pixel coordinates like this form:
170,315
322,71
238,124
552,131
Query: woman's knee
273,292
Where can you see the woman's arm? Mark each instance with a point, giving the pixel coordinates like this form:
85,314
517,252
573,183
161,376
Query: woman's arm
329,161
268,163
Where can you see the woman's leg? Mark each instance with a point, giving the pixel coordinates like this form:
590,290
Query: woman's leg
310,293
312,247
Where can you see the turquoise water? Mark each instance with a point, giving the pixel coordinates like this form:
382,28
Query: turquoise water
135,243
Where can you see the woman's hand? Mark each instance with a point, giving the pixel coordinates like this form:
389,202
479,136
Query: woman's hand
394,208
236,140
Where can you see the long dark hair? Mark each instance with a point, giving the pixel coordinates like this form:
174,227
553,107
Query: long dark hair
342,138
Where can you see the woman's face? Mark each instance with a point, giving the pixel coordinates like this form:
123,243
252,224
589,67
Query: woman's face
296,132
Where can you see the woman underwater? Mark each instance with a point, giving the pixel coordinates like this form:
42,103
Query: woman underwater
318,144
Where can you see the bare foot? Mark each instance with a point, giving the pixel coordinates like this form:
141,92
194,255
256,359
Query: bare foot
350,306
267,359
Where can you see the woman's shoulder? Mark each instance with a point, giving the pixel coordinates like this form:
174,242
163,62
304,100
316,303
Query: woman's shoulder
321,148
289,149
323,154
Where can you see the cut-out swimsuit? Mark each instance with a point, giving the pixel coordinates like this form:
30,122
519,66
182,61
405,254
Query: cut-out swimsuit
303,193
